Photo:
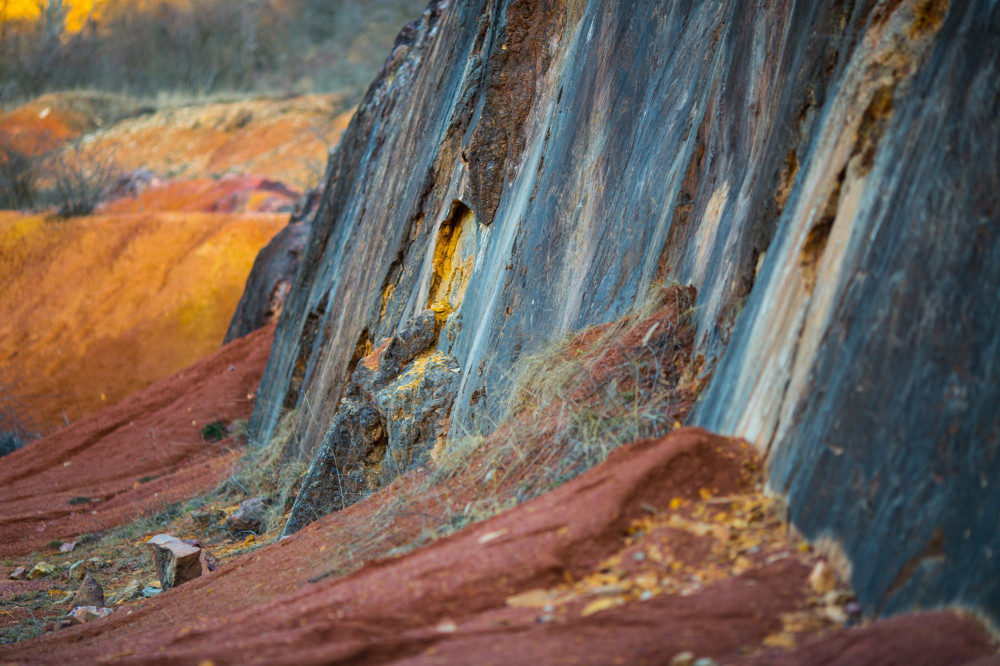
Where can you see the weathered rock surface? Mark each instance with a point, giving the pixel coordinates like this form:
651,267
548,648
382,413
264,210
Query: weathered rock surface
396,407
175,561
826,176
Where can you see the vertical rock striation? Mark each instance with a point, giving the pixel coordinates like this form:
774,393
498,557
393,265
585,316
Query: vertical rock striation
825,174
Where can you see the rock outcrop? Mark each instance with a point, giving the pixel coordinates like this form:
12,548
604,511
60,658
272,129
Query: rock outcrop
397,406
825,175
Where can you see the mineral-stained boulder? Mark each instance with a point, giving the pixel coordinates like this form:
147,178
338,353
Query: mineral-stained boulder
249,516
90,593
175,561
396,407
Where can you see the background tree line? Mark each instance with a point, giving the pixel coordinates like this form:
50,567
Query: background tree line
147,47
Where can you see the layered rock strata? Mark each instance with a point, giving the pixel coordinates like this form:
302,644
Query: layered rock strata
826,176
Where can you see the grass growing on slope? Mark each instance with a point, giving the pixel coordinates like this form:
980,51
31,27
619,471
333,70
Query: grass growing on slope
571,404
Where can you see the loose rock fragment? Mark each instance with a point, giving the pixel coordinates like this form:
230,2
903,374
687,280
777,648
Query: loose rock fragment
209,562
249,517
205,519
41,569
77,570
176,562
127,593
90,593
18,573
682,659
88,613
822,579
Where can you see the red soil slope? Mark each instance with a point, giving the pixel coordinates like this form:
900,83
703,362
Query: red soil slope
469,598
134,457
96,308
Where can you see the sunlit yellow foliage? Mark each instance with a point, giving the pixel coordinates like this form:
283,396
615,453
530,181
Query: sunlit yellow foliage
79,11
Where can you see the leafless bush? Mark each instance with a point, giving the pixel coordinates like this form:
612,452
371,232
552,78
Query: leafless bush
80,175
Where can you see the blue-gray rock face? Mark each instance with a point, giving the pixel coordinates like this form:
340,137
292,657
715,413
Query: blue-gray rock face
827,175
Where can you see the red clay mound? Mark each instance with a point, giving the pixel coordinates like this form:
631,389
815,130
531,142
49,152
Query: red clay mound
140,455
624,564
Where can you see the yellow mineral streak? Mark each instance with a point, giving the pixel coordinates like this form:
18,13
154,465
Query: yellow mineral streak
453,260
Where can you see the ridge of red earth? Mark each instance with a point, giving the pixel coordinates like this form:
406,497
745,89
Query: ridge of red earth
468,598
132,458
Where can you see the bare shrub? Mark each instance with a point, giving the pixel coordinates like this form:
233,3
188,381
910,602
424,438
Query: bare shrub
79,176
16,426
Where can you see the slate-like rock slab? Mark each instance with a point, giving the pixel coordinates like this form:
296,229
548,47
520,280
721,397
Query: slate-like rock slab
176,562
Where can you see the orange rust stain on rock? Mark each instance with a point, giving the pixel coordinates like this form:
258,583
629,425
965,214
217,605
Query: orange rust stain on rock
454,255
371,361
929,17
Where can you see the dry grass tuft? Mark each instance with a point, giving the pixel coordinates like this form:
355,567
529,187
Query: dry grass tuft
265,471
572,403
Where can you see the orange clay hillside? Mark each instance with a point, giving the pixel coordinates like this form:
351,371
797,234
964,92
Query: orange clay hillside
96,308
282,139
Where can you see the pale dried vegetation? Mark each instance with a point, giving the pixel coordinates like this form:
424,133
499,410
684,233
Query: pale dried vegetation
267,471
571,404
